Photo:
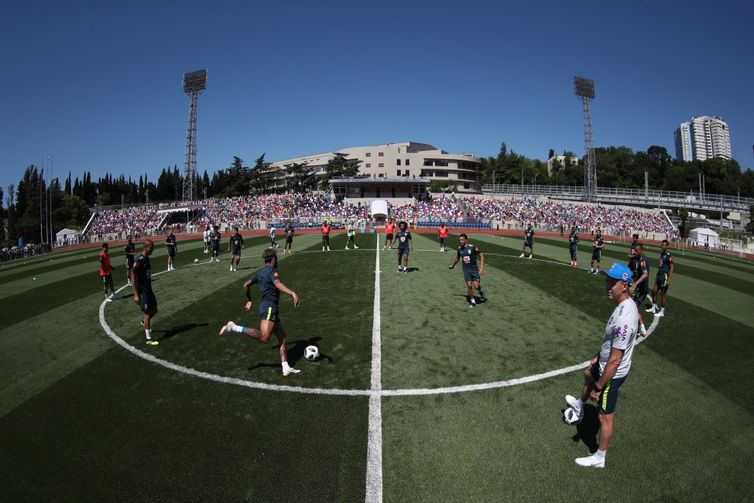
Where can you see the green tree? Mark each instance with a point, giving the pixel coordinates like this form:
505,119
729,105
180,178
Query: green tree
72,212
339,167
300,178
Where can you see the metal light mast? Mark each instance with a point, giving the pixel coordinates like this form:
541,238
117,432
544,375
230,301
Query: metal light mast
585,90
193,84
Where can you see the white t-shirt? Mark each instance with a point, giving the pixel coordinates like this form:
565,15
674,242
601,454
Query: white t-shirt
206,235
620,333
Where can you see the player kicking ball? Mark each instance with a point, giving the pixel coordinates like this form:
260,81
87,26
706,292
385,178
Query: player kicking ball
270,286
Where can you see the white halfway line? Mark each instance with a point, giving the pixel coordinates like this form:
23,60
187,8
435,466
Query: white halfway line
336,391
374,443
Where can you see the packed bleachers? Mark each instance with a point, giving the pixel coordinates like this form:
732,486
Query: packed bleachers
456,211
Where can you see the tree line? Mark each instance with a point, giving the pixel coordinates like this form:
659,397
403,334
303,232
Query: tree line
26,204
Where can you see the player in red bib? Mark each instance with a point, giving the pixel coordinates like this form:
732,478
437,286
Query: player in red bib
443,232
389,232
325,230
106,272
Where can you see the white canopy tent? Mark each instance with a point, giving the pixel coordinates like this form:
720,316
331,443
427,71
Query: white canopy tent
701,236
66,237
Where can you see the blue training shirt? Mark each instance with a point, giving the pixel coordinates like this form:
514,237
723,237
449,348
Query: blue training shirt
266,277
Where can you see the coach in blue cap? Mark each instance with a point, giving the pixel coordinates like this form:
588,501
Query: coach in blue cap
609,368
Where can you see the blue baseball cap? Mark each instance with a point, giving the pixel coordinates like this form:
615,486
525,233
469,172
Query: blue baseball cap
620,272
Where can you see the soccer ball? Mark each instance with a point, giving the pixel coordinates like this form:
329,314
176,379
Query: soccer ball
570,416
311,353
196,260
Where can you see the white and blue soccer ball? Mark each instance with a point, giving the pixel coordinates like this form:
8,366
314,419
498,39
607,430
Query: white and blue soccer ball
311,353
570,416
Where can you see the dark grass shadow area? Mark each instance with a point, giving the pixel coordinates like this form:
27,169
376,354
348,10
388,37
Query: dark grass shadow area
178,329
587,431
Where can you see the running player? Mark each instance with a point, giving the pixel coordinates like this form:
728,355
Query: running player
130,251
325,230
389,232
609,368
472,272
272,234
640,287
106,272
351,234
597,245
662,280
528,242
270,286
206,239
172,248
443,232
632,256
141,281
573,246
404,245
214,240
234,247
288,239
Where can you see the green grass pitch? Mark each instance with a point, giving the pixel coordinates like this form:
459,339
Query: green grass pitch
83,419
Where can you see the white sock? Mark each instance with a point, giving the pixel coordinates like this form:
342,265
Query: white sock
600,454
643,328
148,333
238,328
286,367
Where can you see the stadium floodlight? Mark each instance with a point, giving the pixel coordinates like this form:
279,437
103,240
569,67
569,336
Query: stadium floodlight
585,90
195,81
584,87
193,84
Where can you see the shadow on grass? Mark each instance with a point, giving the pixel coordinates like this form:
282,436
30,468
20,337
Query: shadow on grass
295,353
588,429
172,332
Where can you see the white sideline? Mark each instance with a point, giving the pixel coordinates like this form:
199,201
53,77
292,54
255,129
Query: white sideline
374,444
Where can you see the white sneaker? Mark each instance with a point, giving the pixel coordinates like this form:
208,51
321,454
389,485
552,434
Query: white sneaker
591,461
346,247
355,247
521,256
530,257
328,249
128,284
659,314
575,404
231,269
290,371
650,310
108,299
228,327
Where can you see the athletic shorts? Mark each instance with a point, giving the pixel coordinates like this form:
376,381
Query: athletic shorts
171,251
402,252
640,295
597,255
325,239
442,241
389,237
288,240
529,245
573,252
216,247
661,280
268,311
129,265
107,278
235,252
148,302
609,397
471,274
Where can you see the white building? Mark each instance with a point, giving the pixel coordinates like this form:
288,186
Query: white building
405,161
703,138
561,161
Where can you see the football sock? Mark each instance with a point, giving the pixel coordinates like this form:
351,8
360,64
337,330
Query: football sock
286,366
643,329
600,454
148,333
481,293
238,328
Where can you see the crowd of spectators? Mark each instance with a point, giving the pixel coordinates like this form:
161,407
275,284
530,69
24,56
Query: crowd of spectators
255,212
17,252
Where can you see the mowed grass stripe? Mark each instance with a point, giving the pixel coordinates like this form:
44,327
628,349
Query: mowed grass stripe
336,289
16,269
733,304
118,429
431,338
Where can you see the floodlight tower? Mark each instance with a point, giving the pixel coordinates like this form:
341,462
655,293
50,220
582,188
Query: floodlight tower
193,84
585,90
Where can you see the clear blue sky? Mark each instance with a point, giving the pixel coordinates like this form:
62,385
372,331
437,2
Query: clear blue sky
98,84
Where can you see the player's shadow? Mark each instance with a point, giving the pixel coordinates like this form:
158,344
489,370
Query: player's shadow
295,353
477,299
412,269
178,329
588,429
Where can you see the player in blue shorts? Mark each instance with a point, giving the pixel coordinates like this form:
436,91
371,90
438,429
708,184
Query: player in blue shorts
573,246
141,283
662,280
640,286
632,255
597,245
214,241
172,248
609,368
130,251
270,287
528,242
403,237
472,272
234,247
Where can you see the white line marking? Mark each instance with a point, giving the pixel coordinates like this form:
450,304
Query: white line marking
374,445
371,393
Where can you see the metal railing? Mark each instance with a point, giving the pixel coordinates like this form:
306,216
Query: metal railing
645,197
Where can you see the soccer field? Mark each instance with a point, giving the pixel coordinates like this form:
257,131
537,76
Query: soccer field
416,396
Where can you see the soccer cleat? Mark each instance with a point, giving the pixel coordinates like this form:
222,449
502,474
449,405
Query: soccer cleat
290,371
575,404
659,314
650,309
228,327
152,342
591,461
